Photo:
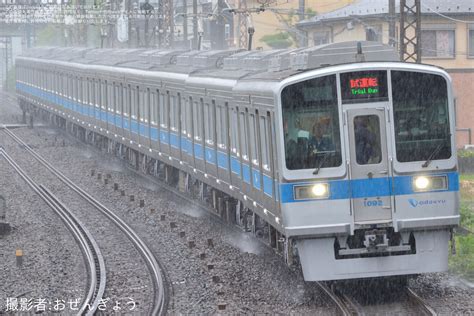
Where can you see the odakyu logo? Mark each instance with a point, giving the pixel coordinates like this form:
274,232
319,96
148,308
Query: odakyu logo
415,203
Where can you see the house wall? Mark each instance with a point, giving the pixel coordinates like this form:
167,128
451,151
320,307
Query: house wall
267,23
463,82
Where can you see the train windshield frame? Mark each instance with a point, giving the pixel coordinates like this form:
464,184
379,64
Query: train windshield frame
311,128
421,116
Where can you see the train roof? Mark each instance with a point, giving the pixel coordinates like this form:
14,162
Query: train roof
228,64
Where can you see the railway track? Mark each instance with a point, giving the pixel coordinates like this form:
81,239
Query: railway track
94,260
343,303
160,296
347,305
424,308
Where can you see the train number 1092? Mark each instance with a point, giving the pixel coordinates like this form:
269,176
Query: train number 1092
373,203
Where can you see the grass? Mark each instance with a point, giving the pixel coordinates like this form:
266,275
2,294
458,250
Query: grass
463,262
467,177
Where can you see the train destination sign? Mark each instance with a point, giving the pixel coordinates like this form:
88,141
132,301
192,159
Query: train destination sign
364,86
368,85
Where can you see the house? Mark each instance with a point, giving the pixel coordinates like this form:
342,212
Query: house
447,41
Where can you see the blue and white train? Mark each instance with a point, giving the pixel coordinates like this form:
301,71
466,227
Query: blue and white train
345,160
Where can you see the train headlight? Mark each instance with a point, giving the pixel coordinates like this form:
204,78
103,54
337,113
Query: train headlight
430,183
313,191
320,189
421,183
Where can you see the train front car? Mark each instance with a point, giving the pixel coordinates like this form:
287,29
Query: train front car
369,183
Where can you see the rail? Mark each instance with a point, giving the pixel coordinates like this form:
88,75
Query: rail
424,307
343,302
158,278
91,251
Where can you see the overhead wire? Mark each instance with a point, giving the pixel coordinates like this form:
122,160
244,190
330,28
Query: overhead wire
445,16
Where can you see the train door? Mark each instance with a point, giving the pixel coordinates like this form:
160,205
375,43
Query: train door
370,183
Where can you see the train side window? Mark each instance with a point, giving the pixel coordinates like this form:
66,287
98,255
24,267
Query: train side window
264,143
209,123
221,127
117,98
73,86
79,89
184,107
154,109
146,116
97,93
133,102
111,97
243,136
166,109
126,102
163,121
189,117
173,112
234,139
141,104
253,138
197,120
91,92
104,95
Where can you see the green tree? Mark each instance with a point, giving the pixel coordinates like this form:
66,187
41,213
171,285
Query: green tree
279,40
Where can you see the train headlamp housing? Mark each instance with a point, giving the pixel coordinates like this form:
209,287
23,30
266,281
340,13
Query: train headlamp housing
311,191
429,183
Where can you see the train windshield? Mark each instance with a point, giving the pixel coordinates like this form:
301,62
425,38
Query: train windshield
311,124
420,104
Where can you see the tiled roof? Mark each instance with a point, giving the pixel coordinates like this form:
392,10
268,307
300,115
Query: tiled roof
363,8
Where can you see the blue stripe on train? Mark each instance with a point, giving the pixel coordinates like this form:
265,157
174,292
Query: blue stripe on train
361,188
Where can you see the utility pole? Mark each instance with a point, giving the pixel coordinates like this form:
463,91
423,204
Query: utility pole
410,31
391,23
7,47
243,27
185,23
195,24
220,37
129,14
168,23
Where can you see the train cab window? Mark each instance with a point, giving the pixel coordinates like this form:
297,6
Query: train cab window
253,137
234,133
311,124
264,142
243,136
367,139
221,127
420,110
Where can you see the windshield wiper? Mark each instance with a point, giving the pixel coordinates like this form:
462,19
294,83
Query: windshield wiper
432,155
321,162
